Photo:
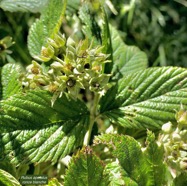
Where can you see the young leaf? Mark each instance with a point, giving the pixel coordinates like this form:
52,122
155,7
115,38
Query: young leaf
155,158
7,179
46,27
35,132
10,80
23,5
85,169
127,59
147,99
128,152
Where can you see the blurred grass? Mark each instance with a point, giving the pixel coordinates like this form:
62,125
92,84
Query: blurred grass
157,27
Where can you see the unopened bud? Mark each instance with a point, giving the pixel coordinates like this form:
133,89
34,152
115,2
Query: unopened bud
60,40
181,117
47,53
57,65
176,137
167,128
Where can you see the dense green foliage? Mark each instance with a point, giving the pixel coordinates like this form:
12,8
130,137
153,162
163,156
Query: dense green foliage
88,93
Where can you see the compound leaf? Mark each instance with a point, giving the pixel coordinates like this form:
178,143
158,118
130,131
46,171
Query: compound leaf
33,131
46,27
10,80
127,59
146,99
7,179
85,169
128,152
23,5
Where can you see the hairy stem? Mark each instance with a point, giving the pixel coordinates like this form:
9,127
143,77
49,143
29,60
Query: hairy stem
93,114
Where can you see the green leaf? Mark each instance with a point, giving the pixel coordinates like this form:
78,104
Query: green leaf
118,176
23,5
146,99
10,80
33,110
85,169
180,180
46,27
127,59
45,144
36,132
128,152
155,158
7,179
8,167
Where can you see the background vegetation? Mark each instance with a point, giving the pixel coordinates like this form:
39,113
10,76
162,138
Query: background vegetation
157,27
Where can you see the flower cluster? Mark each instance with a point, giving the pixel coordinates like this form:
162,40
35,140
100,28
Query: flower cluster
174,139
73,67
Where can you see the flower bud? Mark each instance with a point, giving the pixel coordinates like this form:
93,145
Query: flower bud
40,81
33,85
60,40
167,128
176,137
70,42
184,146
56,65
47,53
181,117
52,43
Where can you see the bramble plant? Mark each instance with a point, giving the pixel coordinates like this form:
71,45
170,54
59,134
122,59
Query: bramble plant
87,110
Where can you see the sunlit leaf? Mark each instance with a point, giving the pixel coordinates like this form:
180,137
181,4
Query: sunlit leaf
146,99
33,131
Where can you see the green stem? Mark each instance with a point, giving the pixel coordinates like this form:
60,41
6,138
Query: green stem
58,59
93,114
37,169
